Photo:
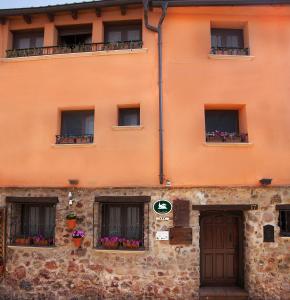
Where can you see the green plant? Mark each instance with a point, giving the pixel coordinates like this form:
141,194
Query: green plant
71,216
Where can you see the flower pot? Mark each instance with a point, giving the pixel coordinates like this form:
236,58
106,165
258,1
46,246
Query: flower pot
71,223
110,245
41,243
22,241
77,242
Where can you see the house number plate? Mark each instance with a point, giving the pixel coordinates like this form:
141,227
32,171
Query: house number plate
162,235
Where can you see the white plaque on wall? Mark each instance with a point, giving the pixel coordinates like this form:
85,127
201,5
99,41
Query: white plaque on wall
162,235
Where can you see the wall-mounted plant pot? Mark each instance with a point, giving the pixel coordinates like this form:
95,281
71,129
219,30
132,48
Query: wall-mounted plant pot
22,241
77,242
71,224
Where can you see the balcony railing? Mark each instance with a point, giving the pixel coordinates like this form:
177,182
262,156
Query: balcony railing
229,51
64,49
226,137
75,139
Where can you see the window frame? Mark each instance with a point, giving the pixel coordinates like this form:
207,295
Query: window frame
74,30
284,209
16,212
122,110
123,215
32,34
223,33
124,26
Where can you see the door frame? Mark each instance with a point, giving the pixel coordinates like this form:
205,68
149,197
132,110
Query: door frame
4,231
241,265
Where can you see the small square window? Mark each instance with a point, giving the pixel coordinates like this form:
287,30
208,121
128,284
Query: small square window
223,126
77,127
284,222
129,116
32,224
228,41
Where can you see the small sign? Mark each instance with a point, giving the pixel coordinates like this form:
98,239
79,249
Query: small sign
162,218
180,235
162,235
162,207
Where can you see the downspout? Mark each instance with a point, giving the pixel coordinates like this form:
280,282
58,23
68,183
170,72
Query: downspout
158,29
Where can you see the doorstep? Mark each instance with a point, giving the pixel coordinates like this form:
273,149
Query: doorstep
222,293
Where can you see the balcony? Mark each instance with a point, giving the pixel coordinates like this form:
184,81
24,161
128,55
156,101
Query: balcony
93,47
229,51
75,139
226,137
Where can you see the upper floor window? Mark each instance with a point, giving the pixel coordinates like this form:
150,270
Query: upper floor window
228,41
77,38
27,39
32,221
129,116
77,127
26,43
223,126
123,34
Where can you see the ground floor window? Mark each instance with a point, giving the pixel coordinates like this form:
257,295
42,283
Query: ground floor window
32,221
122,222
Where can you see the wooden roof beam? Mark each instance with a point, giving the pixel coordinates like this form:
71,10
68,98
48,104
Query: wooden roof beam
98,12
3,21
27,19
74,14
123,9
50,17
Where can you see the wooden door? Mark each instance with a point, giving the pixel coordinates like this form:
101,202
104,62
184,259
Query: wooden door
220,249
2,237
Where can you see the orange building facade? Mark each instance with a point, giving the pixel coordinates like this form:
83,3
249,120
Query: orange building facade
105,113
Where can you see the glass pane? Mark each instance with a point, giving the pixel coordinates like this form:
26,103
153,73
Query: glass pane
39,42
114,36
23,43
114,226
222,120
134,35
129,116
133,223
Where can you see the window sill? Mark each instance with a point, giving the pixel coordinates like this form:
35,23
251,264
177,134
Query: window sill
30,247
74,55
230,57
128,127
119,251
228,144
73,145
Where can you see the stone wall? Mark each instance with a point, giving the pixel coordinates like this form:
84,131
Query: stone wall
162,271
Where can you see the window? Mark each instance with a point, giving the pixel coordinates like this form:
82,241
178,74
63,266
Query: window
123,222
77,127
32,223
284,219
74,35
28,39
228,41
122,32
129,117
223,126
123,35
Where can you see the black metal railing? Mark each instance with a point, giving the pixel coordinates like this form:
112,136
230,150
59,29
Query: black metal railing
64,49
229,51
226,137
75,139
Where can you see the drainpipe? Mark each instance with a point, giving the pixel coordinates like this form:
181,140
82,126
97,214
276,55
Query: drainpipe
158,29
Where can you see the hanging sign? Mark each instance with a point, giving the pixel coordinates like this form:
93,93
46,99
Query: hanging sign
162,207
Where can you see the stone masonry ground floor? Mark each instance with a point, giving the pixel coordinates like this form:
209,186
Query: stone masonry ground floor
230,236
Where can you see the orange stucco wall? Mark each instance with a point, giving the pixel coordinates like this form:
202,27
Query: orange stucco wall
34,91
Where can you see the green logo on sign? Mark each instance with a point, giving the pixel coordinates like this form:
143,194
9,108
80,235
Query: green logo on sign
162,207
